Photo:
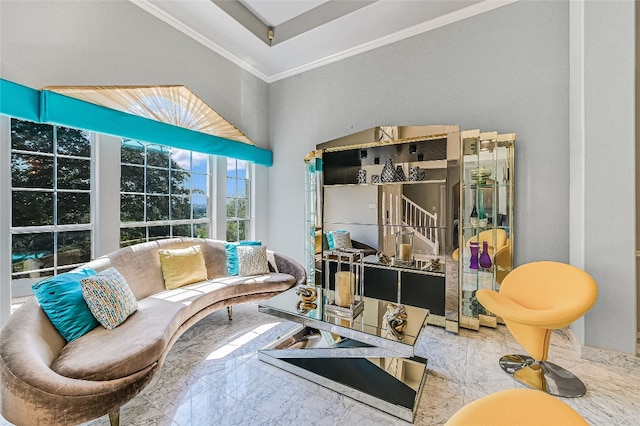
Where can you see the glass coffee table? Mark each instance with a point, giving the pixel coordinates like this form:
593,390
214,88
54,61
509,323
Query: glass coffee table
361,358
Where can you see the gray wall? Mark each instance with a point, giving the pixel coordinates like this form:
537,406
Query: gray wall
506,70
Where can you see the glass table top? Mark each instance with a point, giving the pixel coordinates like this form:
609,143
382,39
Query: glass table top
368,327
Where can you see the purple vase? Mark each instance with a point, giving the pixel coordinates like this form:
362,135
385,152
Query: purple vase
485,259
473,246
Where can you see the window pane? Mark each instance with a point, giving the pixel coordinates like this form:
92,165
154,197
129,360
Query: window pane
180,159
131,208
157,207
231,167
74,142
181,230
180,182
232,230
243,210
242,188
180,208
31,171
232,207
131,236
231,187
157,181
74,247
74,207
158,232
158,156
32,208
132,152
31,250
74,173
243,228
200,163
30,136
199,183
132,179
242,171
201,230
199,207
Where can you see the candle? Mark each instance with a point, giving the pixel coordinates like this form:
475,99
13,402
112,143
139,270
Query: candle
405,252
344,288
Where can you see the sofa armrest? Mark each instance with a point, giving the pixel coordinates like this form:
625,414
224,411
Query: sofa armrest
287,265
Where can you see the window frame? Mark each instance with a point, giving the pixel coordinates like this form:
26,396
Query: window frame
169,222
54,228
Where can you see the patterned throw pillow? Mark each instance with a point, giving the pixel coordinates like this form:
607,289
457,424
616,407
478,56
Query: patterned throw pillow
109,297
339,240
252,260
231,250
182,266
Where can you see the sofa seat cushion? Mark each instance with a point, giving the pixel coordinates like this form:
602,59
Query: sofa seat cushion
136,344
199,296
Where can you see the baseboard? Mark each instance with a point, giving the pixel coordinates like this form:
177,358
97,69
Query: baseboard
603,356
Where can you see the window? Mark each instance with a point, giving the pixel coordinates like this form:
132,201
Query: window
51,228
238,196
163,193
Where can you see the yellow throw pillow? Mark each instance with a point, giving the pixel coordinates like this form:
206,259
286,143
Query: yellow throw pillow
182,266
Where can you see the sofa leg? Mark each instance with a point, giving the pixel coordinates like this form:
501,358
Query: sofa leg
114,417
230,312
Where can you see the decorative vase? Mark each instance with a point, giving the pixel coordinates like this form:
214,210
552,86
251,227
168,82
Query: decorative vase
414,173
375,178
482,214
485,258
473,218
473,246
400,177
388,171
362,176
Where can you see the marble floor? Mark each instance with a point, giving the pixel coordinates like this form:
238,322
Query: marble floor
213,377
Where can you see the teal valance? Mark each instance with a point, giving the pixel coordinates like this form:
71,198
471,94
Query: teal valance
53,108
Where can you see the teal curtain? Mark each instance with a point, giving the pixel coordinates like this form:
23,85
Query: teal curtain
53,108
19,101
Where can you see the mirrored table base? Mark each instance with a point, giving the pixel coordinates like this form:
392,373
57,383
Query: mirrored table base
369,374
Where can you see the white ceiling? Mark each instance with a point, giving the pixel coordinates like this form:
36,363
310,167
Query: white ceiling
306,33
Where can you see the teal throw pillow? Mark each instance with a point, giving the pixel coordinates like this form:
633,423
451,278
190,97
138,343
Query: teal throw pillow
231,250
61,299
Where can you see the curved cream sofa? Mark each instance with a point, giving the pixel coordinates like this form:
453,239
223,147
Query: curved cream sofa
47,381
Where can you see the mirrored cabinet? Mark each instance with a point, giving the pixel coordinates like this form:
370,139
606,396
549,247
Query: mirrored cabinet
406,198
485,225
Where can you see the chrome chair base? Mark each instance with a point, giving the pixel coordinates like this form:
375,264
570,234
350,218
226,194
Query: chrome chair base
544,376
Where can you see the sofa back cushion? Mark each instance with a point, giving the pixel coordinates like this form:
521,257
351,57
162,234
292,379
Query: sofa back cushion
140,264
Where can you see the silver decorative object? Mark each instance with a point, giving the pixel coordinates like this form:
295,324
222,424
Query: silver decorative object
400,177
375,178
362,176
396,320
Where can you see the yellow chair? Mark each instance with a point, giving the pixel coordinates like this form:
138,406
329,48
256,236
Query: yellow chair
534,299
516,407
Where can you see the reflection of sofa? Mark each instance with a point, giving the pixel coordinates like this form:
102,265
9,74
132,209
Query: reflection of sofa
46,380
